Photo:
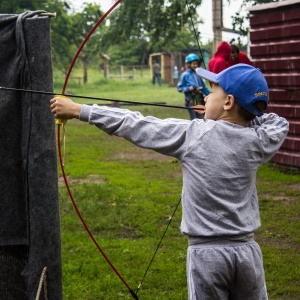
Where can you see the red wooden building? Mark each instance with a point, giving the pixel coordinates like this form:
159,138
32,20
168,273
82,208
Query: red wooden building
275,49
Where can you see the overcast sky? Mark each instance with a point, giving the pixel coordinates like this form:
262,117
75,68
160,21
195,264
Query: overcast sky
205,13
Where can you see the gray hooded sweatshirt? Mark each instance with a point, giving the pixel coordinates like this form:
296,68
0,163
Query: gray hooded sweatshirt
219,163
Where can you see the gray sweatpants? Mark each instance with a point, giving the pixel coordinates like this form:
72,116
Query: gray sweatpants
226,270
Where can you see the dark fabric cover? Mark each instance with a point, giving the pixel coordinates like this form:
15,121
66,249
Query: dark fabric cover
29,208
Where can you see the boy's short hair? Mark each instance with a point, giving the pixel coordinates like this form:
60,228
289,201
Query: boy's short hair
235,49
246,83
260,105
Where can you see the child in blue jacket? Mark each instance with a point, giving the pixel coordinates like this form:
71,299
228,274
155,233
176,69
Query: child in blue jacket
192,86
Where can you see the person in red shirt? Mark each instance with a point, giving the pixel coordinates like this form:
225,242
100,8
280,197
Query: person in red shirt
219,62
237,57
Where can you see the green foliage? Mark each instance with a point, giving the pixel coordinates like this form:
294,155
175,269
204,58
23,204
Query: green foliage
128,53
16,6
127,195
238,21
61,26
82,23
136,29
159,23
63,47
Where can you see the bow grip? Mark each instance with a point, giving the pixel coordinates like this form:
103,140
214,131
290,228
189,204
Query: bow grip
60,121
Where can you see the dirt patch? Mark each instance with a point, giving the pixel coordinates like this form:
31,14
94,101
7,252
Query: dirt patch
293,187
278,197
91,179
133,154
276,240
294,193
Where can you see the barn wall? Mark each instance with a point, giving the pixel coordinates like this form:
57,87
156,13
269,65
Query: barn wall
275,49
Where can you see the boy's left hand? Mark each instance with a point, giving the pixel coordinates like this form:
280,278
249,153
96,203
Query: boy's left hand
64,108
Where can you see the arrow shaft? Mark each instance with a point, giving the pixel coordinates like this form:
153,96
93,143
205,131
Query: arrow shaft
97,98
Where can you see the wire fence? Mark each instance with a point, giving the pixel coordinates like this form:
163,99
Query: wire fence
128,72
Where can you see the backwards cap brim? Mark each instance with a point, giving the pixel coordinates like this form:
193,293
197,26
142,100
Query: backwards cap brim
212,77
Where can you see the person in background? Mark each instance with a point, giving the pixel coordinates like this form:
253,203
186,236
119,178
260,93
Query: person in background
220,157
175,75
219,61
192,86
237,57
156,73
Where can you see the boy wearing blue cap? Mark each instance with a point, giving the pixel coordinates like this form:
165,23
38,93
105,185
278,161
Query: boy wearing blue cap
220,156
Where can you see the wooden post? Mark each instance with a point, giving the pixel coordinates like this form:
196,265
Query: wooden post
106,59
133,73
106,70
121,72
217,23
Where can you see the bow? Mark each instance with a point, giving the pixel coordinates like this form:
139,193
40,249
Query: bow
61,123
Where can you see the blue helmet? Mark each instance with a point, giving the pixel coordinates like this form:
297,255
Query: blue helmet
191,57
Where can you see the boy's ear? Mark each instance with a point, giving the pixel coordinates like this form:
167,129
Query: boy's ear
229,102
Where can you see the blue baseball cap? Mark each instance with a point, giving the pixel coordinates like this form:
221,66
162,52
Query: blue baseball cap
246,83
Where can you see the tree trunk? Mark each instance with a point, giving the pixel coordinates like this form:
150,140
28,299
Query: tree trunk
85,61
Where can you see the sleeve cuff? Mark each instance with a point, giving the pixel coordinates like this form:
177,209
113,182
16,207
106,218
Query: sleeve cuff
85,113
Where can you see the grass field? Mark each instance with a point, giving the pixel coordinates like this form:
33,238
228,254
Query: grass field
127,196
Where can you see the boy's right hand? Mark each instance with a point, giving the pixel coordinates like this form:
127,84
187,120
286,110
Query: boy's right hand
200,109
64,108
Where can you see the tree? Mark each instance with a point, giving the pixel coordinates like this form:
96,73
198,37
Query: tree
62,35
162,25
238,21
61,26
15,6
83,22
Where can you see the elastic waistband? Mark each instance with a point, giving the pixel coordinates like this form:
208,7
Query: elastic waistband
195,240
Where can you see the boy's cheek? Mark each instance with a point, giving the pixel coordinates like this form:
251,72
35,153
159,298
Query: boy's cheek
207,114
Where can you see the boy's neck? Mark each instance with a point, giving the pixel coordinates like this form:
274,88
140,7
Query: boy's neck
233,117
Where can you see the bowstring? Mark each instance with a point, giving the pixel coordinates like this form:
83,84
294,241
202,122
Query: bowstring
195,32
157,247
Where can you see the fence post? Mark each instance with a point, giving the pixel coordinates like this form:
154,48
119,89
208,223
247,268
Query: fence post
106,71
121,72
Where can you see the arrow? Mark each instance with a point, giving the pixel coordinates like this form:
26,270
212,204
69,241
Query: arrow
99,98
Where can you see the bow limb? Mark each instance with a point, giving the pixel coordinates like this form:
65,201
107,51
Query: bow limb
62,122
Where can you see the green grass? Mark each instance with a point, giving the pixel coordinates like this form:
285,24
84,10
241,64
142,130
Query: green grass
127,196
